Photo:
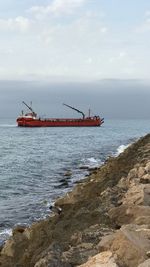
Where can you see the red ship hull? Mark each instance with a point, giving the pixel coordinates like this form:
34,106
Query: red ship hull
37,122
31,120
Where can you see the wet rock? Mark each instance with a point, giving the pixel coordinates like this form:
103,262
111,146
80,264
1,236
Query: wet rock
55,209
84,167
18,229
68,173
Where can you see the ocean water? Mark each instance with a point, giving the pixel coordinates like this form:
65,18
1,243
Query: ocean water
34,163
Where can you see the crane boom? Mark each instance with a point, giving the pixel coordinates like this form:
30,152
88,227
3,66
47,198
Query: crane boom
75,110
29,108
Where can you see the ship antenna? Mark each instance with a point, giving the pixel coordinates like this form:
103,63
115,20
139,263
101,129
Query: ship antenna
75,110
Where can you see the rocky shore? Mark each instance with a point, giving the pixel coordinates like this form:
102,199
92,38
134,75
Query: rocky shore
104,221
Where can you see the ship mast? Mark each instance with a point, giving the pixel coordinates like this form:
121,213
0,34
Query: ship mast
34,114
75,110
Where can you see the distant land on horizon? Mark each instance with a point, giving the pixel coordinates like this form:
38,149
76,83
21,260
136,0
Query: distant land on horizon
109,98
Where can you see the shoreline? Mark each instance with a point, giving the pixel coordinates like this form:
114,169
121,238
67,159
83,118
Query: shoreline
89,217
86,169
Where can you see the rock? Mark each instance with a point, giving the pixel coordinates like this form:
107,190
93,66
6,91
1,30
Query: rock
137,194
106,242
145,179
104,259
148,253
145,263
123,183
18,229
15,245
142,220
76,238
133,173
68,173
141,171
55,209
126,214
130,244
147,168
88,224
79,254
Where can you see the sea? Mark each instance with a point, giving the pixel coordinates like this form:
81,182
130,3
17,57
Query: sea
38,165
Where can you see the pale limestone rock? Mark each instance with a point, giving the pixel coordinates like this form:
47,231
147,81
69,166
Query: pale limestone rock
14,245
106,242
123,183
126,214
9,248
145,263
141,171
142,220
132,174
137,194
103,259
131,244
145,179
147,168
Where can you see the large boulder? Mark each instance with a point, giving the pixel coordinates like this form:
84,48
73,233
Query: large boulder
104,259
138,194
130,244
126,214
145,263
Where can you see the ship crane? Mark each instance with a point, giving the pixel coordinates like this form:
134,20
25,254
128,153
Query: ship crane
33,113
75,110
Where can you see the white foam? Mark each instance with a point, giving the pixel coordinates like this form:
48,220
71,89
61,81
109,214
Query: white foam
92,160
8,125
121,149
90,163
6,233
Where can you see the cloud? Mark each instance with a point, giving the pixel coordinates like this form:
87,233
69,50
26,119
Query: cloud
145,26
16,24
56,8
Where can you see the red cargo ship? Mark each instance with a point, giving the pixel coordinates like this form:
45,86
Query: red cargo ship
32,120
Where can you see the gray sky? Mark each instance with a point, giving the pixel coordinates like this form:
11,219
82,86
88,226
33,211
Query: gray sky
108,98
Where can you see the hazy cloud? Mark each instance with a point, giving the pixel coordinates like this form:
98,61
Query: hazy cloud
16,24
56,8
145,25
74,39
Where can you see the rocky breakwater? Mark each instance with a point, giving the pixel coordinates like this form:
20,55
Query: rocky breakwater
105,220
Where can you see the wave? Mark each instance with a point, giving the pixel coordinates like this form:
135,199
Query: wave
121,149
5,234
90,163
8,125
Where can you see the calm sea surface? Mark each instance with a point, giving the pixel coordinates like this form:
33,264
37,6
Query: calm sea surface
34,161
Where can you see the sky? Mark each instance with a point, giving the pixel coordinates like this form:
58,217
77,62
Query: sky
74,39
86,53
